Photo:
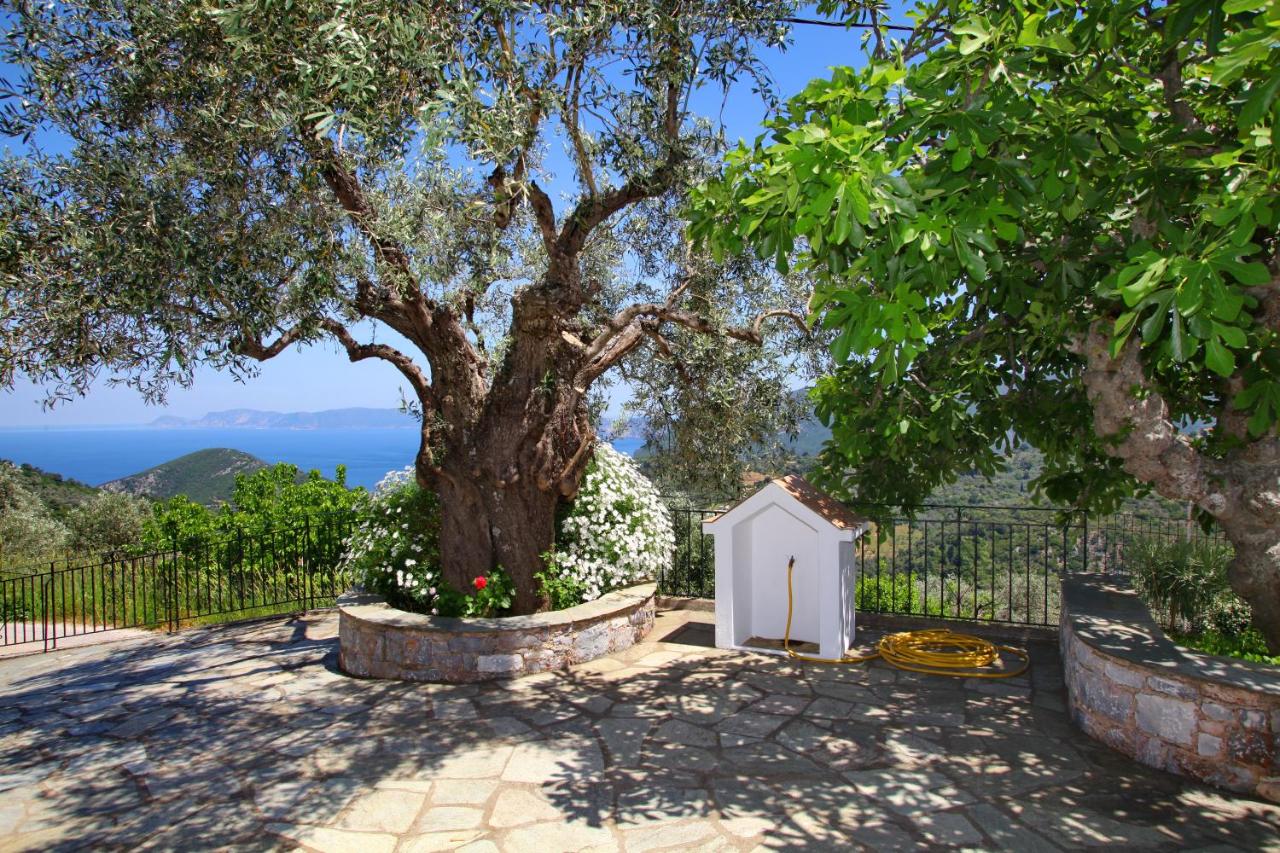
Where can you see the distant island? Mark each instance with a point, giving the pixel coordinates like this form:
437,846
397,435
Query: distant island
355,418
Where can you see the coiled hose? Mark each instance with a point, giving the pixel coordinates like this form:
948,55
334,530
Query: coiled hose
935,651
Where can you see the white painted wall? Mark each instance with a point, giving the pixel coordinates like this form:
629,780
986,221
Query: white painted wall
753,542
776,535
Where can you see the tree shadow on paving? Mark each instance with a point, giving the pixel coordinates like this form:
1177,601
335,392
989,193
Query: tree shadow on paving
246,738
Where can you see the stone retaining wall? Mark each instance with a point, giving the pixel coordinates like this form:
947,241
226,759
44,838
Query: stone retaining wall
377,641
1212,718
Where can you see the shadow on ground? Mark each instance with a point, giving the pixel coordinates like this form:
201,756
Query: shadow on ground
248,736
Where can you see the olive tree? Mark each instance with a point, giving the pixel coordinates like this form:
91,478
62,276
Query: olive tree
238,177
1048,222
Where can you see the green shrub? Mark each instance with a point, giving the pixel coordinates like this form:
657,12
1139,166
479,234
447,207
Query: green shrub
28,531
273,498
560,589
1247,644
1185,583
888,593
108,522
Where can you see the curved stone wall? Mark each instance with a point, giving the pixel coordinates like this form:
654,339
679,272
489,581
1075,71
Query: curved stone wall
1204,716
377,641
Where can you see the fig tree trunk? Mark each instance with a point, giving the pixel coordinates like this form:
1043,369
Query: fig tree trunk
1240,489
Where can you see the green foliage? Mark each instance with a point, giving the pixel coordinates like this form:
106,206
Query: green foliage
206,138
492,595
273,498
28,529
108,522
971,204
560,589
1246,645
890,594
1185,583
58,494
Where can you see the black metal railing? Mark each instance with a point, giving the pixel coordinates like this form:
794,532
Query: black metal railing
994,564
254,573
692,573
982,563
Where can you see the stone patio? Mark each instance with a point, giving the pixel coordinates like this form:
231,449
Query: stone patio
247,737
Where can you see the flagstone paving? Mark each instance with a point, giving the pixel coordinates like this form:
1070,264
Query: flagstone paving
248,737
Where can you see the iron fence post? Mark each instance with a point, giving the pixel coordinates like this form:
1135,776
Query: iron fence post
46,597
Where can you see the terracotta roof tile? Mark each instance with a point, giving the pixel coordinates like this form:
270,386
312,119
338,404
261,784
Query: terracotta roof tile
834,512
823,504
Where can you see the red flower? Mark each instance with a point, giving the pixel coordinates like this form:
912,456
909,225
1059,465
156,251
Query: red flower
480,582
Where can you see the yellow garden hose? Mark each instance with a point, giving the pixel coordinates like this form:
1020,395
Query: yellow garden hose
936,651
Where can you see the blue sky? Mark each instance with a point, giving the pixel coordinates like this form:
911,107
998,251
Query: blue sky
320,377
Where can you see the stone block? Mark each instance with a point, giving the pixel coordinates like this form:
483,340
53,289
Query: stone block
1208,745
1172,687
1121,674
1105,698
1165,717
1251,719
1085,656
591,643
1214,711
499,663
1155,752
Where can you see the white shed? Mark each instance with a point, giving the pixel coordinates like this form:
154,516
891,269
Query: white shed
755,538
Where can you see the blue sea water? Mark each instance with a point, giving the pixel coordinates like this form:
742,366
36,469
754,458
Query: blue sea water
95,456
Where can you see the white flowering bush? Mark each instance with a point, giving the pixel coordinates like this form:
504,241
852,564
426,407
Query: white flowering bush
394,551
617,532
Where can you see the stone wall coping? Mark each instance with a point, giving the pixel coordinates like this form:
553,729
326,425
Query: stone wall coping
374,608
1108,615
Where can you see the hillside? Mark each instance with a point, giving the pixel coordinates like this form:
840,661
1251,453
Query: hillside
206,476
59,494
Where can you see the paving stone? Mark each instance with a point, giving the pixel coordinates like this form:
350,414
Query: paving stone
623,737
754,725
1007,833
746,826
431,842
388,810
471,792
882,835
484,846
483,763
678,731
310,801
516,807
335,840
666,834
909,792
545,762
256,742
556,835
448,818
949,828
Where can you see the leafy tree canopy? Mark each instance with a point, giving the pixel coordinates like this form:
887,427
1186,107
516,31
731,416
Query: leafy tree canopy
999,185
243,176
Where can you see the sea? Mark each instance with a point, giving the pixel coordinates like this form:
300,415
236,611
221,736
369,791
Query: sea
98,455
